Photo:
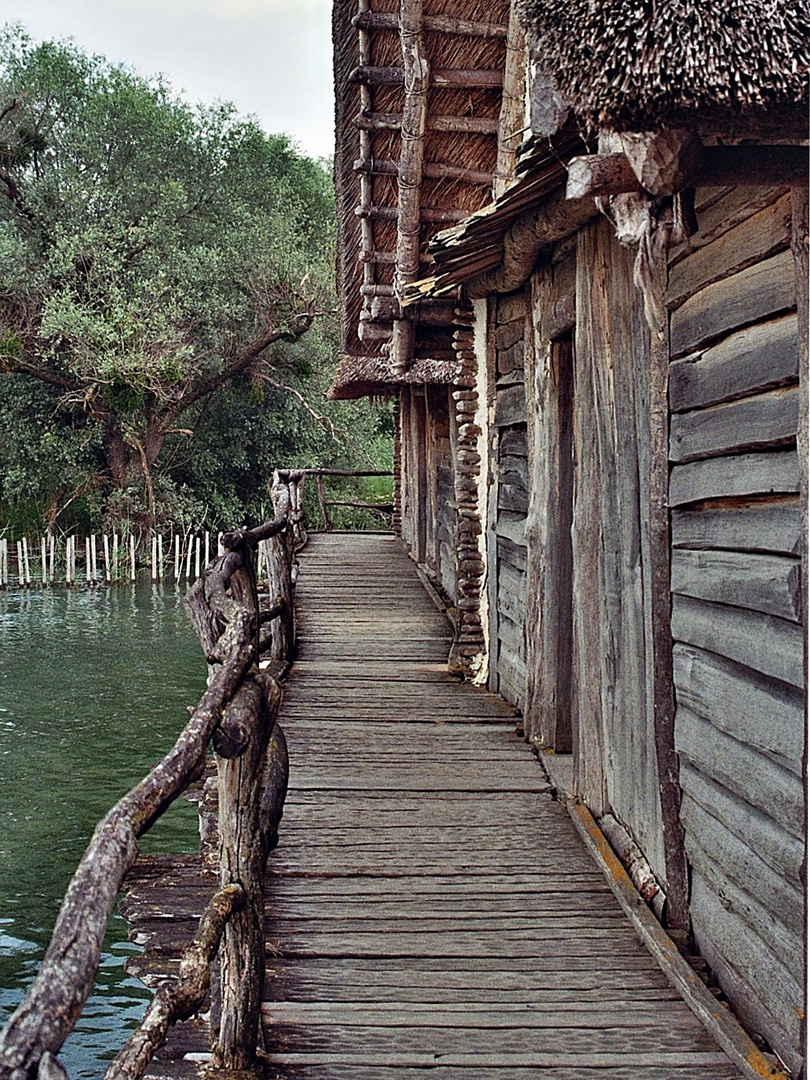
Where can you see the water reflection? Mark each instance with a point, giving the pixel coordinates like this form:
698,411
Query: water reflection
94,685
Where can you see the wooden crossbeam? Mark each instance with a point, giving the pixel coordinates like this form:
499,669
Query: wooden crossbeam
441,24
449,78
474,125
436,170
426,213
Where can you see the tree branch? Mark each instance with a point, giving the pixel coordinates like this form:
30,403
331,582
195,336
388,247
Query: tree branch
242,362
22,367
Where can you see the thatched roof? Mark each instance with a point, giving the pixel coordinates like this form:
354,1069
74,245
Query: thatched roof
634,64
464,43
371,376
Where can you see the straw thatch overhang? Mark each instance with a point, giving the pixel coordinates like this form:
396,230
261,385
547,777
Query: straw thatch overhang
475,247
424,129
736,66
371,376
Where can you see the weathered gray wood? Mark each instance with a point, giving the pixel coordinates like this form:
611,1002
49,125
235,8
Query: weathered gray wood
181,998
750,242
761,525
720,209
762,642
708,840
765,715
744,951
723,1026
510,407
734,475
757,358
652,1071
755,779
549,377
775,847
763,290
752,423
768,583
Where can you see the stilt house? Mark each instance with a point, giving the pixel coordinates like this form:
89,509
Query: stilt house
574,249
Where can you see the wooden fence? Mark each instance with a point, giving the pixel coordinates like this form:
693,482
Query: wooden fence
237,625
110,558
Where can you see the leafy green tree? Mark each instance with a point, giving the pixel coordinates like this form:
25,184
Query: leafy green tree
155,258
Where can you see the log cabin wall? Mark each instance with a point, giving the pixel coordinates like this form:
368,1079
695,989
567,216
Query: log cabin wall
425,479
508,501
736,599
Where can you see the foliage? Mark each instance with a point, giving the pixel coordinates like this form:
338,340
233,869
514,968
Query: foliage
166,297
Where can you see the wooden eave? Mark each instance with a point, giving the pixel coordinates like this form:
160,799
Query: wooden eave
476,245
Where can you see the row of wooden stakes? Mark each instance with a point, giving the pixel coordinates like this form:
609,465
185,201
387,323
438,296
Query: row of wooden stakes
105,559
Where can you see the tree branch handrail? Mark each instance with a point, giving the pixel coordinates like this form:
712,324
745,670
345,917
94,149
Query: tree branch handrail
238,710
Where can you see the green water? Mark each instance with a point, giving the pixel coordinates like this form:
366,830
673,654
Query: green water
94,685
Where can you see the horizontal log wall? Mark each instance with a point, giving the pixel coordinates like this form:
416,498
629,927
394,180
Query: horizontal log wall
508,652
737,599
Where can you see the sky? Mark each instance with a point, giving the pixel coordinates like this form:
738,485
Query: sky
272,58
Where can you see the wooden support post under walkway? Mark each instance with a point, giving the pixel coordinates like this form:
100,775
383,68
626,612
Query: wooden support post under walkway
431,910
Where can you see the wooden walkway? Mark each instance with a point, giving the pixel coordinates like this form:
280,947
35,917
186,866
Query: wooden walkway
431,910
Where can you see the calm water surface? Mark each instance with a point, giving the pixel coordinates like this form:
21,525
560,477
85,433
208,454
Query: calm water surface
94,685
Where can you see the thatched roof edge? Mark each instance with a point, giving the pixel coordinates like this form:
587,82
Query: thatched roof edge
635,64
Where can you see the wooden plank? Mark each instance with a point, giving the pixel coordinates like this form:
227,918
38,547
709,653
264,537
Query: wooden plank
766,644
755,239
549,377
765,715
782,852
709,841
723,1025
720,209
735,475
744,950
760,292
512,526
767,525
510,407
752,423
359,1071
768,583
755,779
757,358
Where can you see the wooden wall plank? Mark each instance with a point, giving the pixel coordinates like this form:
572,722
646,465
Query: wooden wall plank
769,645
762,290
781,851
721,931
755,779
721,209
759,357
512,526
510,406
739,863
751,423
762,235
769,583
766,715
763,525
734,475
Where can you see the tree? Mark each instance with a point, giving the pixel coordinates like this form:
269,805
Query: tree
151,253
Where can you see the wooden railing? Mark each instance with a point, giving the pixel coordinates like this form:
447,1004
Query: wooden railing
247,639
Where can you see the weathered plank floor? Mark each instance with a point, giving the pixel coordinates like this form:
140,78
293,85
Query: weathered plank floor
430,908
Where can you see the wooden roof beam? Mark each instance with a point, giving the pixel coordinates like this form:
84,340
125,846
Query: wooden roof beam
445,78
613,174
387,258
417,78
427,214
441,24
435,170
473,125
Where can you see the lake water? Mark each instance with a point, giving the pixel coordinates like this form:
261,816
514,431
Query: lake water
94,685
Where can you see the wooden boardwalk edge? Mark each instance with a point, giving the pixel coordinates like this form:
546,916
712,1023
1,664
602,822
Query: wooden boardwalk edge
716,1018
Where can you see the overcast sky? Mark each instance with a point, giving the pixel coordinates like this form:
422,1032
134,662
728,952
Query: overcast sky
272,58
